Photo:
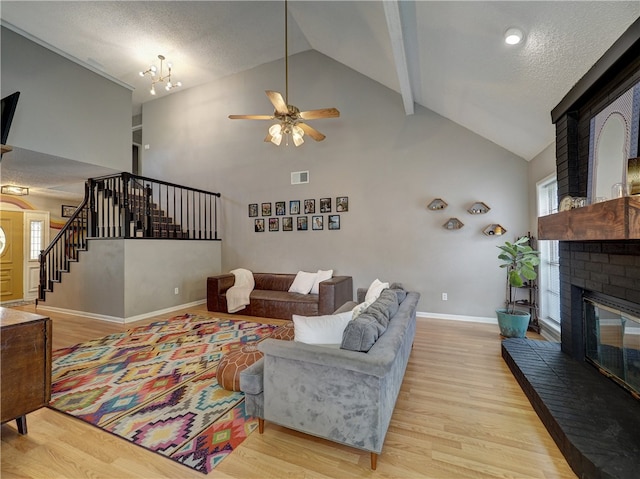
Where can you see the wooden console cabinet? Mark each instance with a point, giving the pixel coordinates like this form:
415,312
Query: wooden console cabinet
25,364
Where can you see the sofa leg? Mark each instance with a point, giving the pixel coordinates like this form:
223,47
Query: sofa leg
260,425
374,461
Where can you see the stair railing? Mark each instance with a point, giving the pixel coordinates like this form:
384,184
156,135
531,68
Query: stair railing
129,206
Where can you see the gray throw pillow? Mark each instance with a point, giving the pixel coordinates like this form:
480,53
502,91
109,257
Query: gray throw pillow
384,308
401,294
399,290
361,333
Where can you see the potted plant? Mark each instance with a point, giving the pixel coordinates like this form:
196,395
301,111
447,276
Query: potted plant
520,260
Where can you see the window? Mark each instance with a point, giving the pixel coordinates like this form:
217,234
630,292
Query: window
3,240
549,270
35,243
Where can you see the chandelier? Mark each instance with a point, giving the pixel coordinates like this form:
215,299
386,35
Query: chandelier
152,71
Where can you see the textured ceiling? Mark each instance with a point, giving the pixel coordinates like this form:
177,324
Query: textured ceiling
457,64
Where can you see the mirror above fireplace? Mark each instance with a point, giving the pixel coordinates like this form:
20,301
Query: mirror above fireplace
612,141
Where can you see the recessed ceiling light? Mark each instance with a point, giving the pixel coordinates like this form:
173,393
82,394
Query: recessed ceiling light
513,36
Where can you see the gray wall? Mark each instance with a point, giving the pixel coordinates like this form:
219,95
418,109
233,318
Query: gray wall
389,165
64,109
125,279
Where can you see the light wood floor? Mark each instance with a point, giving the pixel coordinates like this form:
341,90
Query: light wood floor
460,414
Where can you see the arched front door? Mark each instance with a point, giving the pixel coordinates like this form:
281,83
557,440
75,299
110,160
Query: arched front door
11,255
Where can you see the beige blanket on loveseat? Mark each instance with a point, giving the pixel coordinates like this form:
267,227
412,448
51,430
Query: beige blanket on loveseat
238,294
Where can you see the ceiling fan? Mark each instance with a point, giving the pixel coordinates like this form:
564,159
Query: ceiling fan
291,121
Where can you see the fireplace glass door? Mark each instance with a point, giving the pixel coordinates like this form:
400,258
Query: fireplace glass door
613,343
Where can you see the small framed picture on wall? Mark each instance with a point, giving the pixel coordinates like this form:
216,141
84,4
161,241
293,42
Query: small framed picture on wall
287,223
253,210
259,225
281,208
294,207
325,205
334,222
274,224
266,209
309,207
342,204
67,211
317,223
302,223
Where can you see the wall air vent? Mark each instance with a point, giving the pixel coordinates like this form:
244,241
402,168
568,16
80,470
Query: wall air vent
299,177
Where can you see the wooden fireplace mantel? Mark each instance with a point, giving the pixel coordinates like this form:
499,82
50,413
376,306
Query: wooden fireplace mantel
617,219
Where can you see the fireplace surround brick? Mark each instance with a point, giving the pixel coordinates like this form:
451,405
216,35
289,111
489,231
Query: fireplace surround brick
611,267
564,389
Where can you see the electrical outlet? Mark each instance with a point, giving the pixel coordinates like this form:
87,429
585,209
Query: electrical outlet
176,291
444,296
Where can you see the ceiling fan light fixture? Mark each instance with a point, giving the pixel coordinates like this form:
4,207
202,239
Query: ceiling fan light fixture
276,140
275,129
289,116
297,134
276,134
513,36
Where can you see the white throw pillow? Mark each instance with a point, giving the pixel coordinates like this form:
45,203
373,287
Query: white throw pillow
321,330
359,308
320,276
303,282
374,290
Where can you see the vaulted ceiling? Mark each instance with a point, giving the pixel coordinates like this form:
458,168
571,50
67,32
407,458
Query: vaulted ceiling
447,56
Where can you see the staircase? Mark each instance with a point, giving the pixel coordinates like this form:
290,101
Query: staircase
127,206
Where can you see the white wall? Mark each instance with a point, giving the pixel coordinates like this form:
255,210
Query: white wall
389,165
64,109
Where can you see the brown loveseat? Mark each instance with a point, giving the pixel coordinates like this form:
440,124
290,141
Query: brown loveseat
270,297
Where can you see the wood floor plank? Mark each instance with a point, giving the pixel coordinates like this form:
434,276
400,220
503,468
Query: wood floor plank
460,414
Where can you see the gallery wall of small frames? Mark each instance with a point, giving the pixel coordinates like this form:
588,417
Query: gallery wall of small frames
298,215
477,208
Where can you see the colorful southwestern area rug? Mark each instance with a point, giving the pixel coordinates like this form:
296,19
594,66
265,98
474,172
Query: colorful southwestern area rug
156,387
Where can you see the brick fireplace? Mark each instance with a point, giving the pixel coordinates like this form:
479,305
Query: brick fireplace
594,421
609,267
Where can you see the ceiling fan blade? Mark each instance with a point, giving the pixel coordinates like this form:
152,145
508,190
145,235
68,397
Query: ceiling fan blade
278,102
312,132
251,117
268,138
322,113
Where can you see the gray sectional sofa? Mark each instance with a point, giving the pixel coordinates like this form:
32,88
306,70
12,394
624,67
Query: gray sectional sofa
341,395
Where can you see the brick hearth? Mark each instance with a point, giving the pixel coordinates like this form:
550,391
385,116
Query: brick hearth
596,426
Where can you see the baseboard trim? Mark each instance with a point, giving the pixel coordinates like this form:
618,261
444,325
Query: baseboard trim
116,319
457,317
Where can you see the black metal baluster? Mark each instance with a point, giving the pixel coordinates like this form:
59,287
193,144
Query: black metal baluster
215,216
207,217
112,207
119,208
193,212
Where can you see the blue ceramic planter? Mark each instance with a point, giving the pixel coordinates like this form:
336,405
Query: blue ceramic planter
513,325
